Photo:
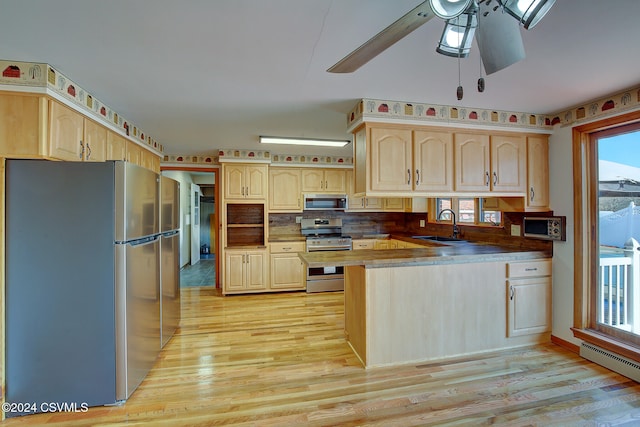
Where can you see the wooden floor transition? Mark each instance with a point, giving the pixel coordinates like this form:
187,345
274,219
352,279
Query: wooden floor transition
281,360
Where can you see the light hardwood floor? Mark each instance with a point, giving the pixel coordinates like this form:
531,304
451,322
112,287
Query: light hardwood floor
281,360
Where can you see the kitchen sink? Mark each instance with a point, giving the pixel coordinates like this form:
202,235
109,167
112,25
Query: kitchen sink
439,239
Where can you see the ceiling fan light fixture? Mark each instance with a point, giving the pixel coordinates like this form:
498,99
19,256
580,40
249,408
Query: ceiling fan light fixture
527,12
457,36
448,9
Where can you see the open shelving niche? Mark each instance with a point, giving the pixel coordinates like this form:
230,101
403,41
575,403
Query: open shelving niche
245,224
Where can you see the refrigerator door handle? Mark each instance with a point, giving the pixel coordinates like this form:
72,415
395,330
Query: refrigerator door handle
140,242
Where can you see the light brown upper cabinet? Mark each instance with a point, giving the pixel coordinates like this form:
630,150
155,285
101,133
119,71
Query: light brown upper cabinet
490,163
391,159
23,120
74,137
537,173
285,190
400,160
244,181
433,160
116,147
324,181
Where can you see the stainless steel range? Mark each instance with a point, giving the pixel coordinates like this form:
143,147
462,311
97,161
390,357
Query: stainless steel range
325,234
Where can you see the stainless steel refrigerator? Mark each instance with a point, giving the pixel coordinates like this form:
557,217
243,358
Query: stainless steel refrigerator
82,281
169,257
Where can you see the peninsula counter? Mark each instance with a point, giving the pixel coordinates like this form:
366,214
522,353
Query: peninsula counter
411,305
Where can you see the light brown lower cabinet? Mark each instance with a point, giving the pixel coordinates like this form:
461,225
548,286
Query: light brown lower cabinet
245,270
288,272
528,297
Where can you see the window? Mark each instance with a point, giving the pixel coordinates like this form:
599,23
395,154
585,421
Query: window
597,259
467,211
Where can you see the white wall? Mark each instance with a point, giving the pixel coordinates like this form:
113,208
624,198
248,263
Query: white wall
561,201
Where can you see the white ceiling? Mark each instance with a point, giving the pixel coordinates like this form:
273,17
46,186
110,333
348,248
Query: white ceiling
199,75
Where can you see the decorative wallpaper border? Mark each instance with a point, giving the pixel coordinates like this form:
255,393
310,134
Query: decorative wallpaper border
610,106
433,113
33,74
249,155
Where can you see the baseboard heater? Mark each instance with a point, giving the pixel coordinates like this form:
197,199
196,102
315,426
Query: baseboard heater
628,368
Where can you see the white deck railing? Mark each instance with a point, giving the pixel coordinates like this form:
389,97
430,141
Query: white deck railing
619,287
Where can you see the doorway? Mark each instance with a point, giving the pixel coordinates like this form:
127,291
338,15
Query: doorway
199,224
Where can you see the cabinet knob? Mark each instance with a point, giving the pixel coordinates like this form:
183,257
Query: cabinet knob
532,194
486,179
88,151
512,292
81,149
408,176
417,177
495,178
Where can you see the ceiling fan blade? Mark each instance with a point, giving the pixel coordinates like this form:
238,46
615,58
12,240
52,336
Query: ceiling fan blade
499,39
384,39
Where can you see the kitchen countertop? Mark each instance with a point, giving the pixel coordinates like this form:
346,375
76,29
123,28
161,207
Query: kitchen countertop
429,255
287,238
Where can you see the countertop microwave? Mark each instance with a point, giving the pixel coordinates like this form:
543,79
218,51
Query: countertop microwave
545,227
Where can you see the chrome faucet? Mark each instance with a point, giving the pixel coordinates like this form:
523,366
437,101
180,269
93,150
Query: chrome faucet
453,215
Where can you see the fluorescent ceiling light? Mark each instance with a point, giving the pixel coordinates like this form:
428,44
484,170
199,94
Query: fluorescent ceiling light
303,141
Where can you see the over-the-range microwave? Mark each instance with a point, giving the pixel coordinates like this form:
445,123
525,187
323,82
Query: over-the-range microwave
545,227
325,202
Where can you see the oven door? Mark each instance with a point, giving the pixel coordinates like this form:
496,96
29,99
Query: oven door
325,279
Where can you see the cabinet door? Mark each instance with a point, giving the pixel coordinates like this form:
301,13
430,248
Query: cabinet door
234,186
66,133
395,204
538,173
256,182
508,163
312,181
284,190
234,267
529,306
433,161
472,162
335,181
20,125
287,271
134,153
391,159
95,142
256,269
116,147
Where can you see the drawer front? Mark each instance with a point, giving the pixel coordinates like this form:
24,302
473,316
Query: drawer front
286,247
529,268
363,244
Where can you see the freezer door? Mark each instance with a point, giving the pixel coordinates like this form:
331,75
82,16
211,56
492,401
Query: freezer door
170,284
138,312
170,204
137,211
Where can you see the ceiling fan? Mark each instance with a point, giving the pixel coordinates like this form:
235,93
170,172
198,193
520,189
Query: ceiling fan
498,35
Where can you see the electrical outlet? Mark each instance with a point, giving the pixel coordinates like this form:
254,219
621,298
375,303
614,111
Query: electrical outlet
422,223
298,219
515,230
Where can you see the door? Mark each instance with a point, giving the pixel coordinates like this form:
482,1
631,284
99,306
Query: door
391,160
508,163
170,284
195,223
142,312
433,161
472,160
